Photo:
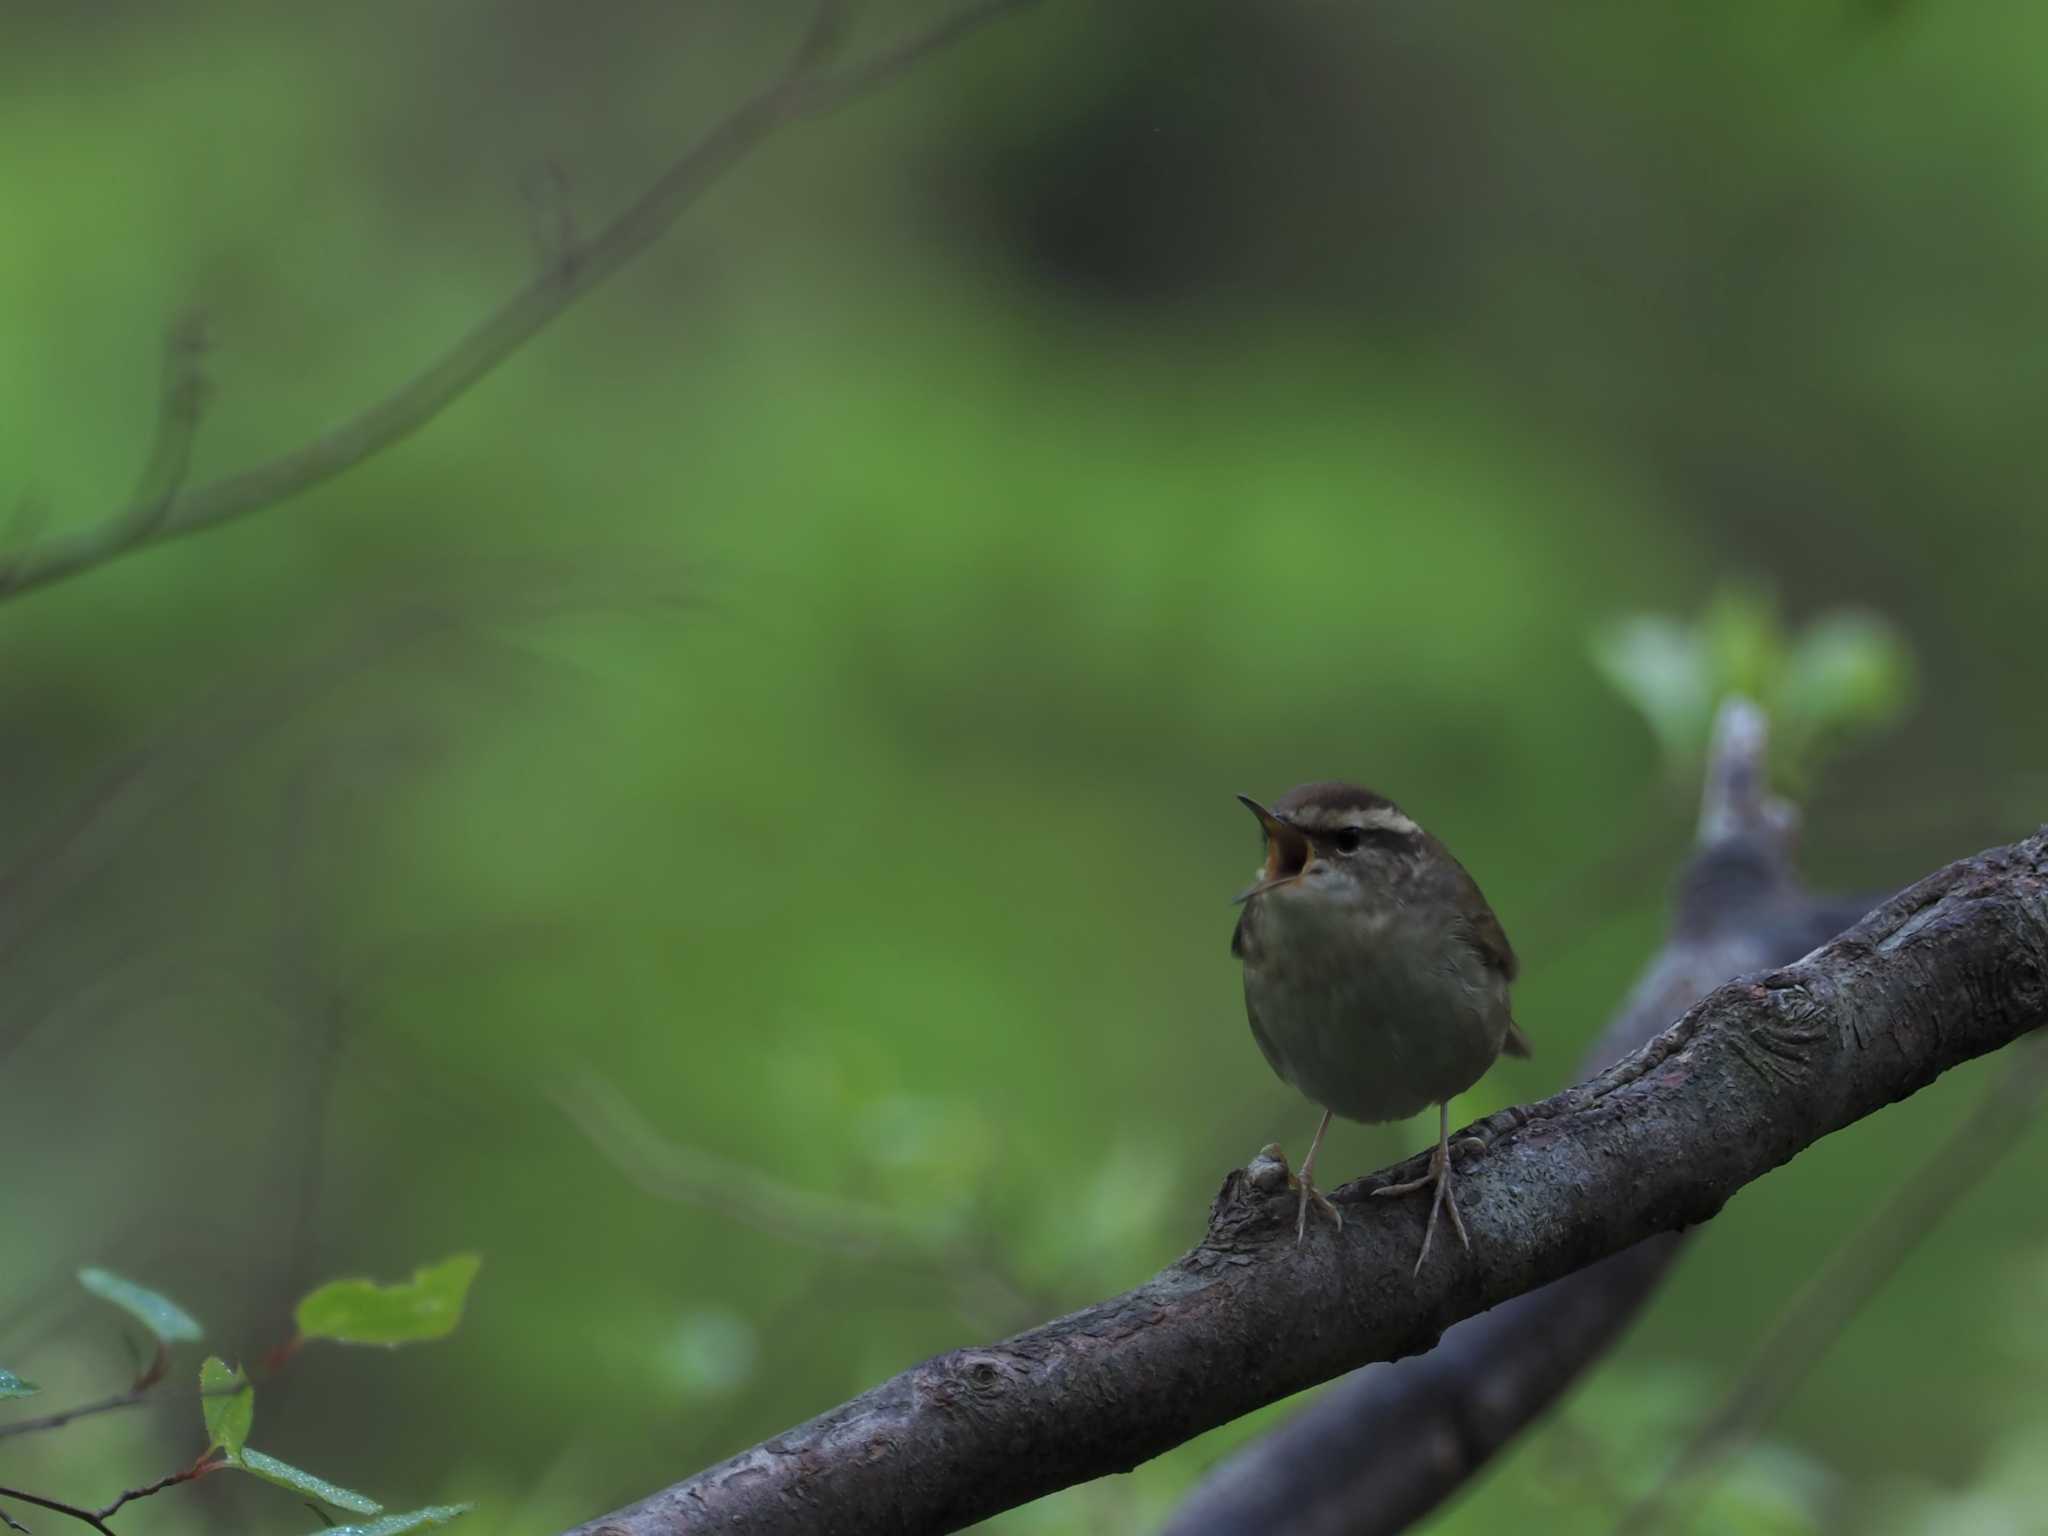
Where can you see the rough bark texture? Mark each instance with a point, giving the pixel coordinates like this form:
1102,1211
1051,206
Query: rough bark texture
1382,1449
1952,968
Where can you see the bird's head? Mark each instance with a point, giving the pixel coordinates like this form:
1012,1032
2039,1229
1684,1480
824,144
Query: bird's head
1332,839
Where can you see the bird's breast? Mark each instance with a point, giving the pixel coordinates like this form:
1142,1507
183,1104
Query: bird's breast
1367,1011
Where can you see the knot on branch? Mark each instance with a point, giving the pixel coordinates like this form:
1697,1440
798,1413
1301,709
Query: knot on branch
1780,1039
966,1382
1246,1212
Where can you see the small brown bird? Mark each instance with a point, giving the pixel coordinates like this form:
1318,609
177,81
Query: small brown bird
1375,974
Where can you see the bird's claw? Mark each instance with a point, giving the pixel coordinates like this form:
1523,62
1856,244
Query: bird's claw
1438,1180
1442,1200
1311,1195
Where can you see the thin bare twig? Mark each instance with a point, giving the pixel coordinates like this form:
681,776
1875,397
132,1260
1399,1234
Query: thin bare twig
745,1195
850,1228
57,1420
797,94
1856,1271
133,1397
58,1505
181,401
555,241
179,407
822,38
198,1469
98,1518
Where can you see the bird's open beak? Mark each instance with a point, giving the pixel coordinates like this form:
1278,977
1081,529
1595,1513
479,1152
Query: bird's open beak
1287,851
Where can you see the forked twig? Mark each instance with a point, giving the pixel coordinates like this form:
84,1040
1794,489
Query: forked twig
98,1518
803,91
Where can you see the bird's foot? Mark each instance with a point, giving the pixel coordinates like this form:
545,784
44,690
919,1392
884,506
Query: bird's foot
1439,1180
1311,1195
1408,1187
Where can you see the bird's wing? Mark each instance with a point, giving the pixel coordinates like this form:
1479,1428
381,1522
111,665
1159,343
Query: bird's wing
1475,925
1482,932
1481,929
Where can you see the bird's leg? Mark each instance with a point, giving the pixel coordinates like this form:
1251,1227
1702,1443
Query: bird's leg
1439,1176
1306,1178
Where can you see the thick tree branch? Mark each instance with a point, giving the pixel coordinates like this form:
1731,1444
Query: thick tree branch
1950,969
1383,1448
803,91
1853,1274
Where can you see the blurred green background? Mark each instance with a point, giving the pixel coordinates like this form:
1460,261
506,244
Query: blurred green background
806,687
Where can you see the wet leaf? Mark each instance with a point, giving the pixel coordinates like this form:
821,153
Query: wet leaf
428,1306
228,1413
271,1470
399,1525
163,1317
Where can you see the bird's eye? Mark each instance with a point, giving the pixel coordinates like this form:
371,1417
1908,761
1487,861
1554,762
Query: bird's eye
1346,839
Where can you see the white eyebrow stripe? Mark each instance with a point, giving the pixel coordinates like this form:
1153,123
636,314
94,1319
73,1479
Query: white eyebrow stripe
1380,819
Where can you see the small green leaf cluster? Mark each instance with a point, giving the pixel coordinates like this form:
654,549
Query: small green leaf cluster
349,1311
1846,674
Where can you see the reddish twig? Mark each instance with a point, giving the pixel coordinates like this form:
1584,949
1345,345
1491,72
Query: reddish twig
198,1469
97,1518
74,1511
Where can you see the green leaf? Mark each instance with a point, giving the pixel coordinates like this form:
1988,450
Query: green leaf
399,1525
1661,667
1744,641
12,1385
1849,672
428,1306
228,1412
163,1317
271,1470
